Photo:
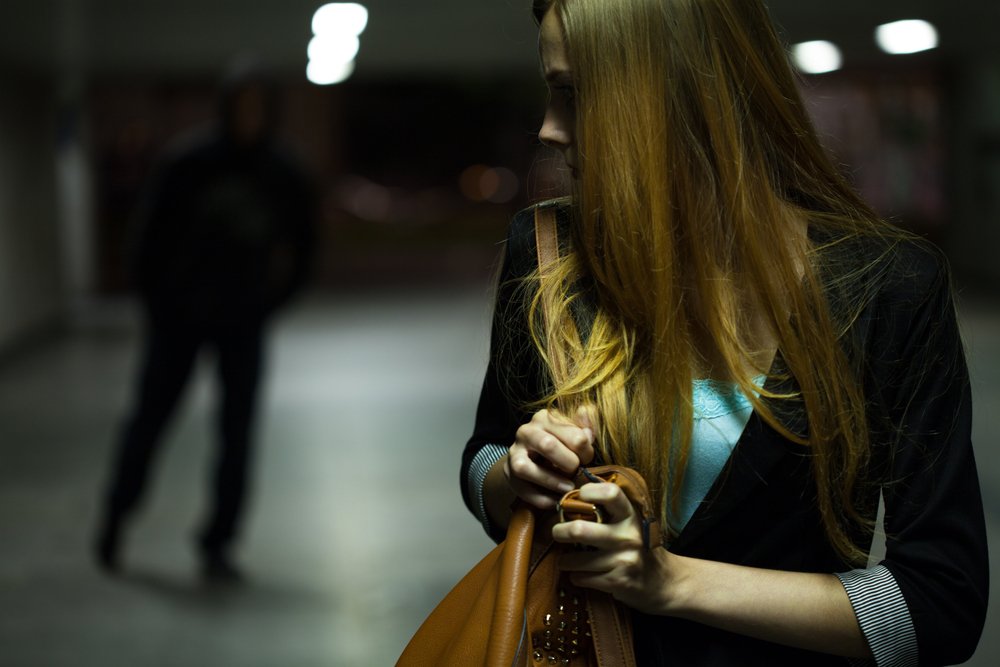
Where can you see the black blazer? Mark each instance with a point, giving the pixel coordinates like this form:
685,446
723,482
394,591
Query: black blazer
762,512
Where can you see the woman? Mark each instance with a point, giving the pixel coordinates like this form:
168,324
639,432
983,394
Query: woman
728,318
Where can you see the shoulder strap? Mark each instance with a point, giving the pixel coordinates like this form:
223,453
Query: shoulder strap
611,623
546,236
547,247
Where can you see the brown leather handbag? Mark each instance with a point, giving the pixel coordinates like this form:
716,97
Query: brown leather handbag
516,609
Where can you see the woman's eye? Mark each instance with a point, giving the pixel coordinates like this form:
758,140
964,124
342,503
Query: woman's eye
567,93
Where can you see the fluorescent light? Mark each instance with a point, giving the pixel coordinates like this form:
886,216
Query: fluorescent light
817,57
336,26
340,18
333,48
909,36
328,73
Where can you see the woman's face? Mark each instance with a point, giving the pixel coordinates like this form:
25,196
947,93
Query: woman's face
560,113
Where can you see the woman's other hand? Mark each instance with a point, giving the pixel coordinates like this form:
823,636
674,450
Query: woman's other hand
617,563
546,454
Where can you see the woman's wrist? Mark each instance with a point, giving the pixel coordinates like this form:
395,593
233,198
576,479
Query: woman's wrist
498,495
677,584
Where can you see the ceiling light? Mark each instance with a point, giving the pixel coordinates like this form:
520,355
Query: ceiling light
328,73
910,36
333,48
340,17
817,57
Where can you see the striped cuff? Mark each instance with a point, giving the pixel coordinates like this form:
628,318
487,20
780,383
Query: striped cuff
883,616
480,466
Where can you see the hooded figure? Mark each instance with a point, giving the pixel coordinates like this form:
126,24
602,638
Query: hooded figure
223,240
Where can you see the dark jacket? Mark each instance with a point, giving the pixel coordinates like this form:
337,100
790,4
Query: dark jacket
225,233
762,510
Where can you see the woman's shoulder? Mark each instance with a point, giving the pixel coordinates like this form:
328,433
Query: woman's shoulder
911,270
902,298
889,268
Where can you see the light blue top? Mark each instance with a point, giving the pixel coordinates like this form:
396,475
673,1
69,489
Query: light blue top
721,412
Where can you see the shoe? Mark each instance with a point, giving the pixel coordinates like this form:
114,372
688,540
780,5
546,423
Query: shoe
107,550
217,568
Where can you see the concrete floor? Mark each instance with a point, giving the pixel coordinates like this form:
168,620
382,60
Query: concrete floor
357,529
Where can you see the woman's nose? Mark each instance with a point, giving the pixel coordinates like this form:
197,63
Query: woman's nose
554,132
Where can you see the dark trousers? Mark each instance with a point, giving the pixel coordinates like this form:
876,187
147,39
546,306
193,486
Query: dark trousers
170,356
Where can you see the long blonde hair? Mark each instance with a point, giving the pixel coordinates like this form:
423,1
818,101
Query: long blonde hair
697,164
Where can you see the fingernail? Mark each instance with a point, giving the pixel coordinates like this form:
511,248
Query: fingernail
566,487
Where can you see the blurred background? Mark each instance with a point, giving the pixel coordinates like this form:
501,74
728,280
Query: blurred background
419,157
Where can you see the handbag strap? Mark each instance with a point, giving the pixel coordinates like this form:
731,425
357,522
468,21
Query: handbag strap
610,622
546,236
547,247
611,630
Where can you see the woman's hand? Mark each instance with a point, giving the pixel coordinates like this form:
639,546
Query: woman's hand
618,563
803,609
546,454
